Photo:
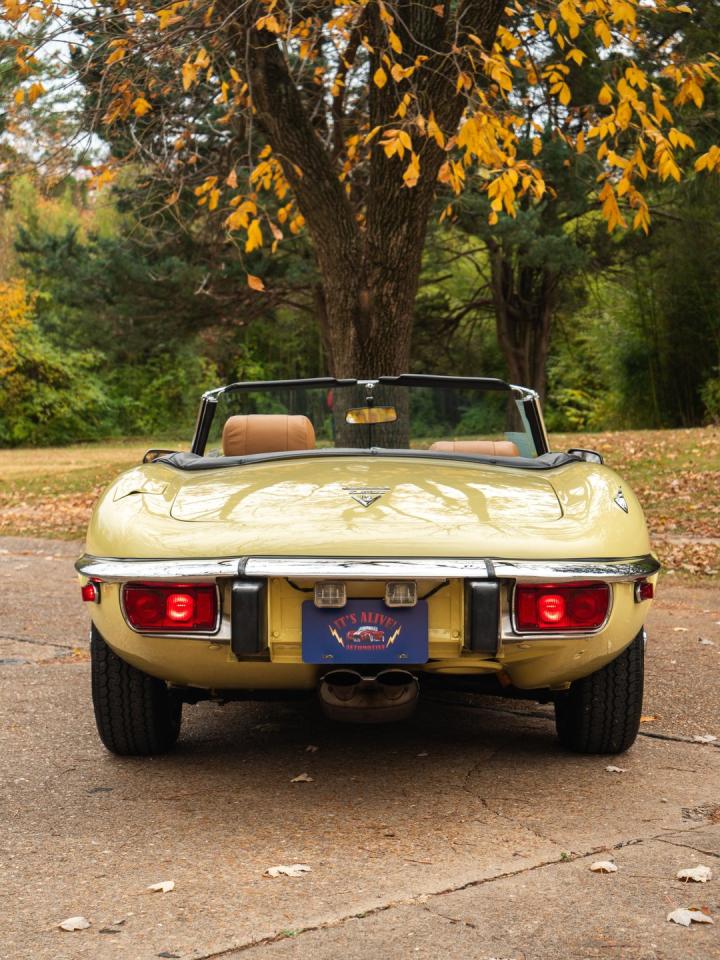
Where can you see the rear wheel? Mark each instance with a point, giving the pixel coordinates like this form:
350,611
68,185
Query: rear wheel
601,713
136,714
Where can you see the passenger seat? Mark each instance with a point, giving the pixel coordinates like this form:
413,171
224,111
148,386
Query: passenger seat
478,448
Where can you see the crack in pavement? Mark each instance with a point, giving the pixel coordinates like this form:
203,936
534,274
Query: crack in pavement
36,642
690,846
543,715
517,823
422,899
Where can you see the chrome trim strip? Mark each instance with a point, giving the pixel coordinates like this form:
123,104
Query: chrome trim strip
109,570
609,570
366,568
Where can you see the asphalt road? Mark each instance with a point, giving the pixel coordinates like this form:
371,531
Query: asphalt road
466,831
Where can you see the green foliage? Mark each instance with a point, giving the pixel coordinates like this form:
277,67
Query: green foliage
50,396
160,395
711,399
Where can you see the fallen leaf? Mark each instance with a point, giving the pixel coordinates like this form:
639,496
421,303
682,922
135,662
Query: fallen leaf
704,642
612,769
311,748
651,718
255,283
74,923
699,874
686,917
164,886
704,738
681,629
603,866
293,870
302,778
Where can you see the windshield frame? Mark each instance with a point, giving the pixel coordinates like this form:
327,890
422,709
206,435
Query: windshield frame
527,398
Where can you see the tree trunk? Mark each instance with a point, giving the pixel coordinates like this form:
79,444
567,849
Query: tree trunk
370,274
525,299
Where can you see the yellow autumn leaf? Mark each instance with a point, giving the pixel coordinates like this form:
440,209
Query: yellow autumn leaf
434,131
395,42
254,236
412,171
577,56
141,106
214,199
36,90
189,73
602,31
255,283
115,56
207,184
36,13
605,96
380,78
231,179
19,96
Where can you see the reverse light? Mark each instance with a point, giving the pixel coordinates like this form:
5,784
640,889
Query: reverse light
401,593
330,594
561,607
176,607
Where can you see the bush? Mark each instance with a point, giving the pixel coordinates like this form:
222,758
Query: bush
162,395
711,399
49,397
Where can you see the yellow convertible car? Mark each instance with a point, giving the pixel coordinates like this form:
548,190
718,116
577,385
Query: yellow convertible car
368,540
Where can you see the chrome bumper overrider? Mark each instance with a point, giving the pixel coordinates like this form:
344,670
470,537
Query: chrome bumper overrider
109,569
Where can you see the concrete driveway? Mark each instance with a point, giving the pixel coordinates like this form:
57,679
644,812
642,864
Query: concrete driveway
465,832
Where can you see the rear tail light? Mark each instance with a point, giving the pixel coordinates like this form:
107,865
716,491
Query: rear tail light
644,590
177,607
90,591
560,607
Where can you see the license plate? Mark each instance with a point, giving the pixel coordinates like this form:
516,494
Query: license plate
365,631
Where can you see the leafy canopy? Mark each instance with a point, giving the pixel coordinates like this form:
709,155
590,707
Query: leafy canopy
483,85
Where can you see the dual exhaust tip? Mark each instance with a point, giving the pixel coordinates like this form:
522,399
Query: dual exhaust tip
388,696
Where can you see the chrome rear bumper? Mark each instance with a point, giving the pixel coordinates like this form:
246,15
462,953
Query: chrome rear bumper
114,570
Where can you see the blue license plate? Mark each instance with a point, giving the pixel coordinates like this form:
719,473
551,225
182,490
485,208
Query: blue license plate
365,631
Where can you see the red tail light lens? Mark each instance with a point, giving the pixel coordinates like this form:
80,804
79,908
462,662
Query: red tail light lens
90,592
560,607
177,607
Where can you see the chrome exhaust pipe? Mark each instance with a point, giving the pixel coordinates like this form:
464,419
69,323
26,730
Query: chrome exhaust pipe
349,696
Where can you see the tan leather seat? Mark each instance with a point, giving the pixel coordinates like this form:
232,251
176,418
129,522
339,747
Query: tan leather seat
481,448
266,433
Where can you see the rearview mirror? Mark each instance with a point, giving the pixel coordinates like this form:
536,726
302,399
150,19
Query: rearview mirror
364,415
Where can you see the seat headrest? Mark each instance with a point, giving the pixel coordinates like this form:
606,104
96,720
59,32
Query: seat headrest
482,448
266,433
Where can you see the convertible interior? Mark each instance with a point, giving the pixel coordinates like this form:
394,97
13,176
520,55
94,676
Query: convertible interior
275,433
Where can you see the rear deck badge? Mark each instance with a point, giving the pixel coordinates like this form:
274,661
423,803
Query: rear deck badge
366,496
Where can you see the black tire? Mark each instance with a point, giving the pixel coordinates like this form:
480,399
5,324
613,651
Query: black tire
601,713
136,714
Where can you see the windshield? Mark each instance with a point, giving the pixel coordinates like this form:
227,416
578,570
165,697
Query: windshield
443,415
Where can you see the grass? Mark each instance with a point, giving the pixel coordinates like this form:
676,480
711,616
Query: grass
49,492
